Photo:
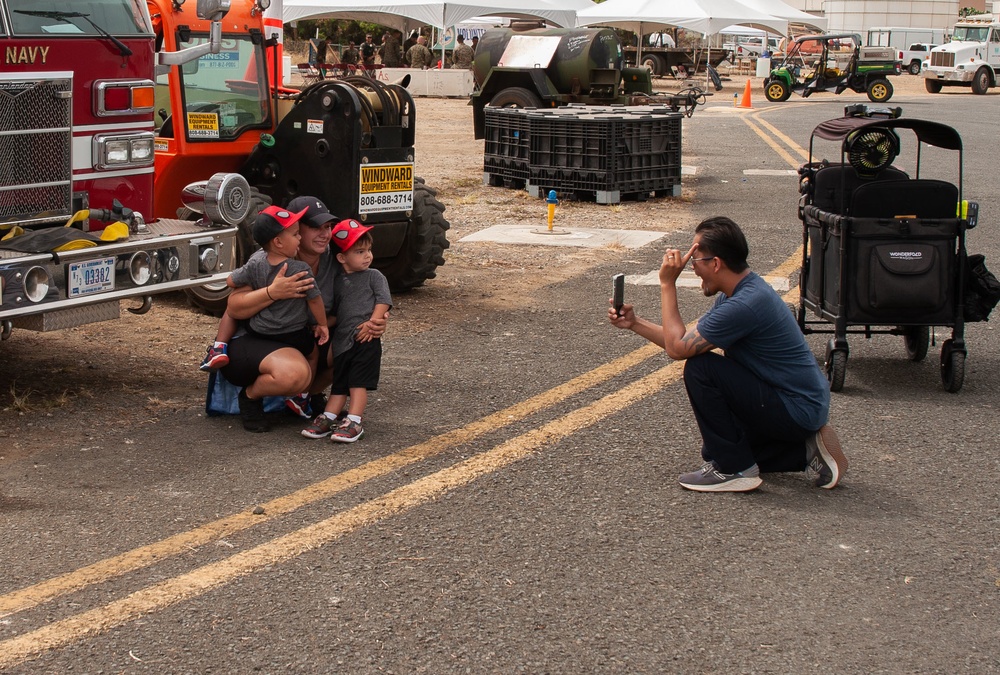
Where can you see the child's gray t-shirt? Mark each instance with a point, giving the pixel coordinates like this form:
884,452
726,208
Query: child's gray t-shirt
354,297
281,316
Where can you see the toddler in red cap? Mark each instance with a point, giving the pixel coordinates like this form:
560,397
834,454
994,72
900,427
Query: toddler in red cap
360,295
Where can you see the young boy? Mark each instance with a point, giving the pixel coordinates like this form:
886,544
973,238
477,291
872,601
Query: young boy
361,294
286,321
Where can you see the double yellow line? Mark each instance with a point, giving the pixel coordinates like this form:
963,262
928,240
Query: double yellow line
758,124
204,579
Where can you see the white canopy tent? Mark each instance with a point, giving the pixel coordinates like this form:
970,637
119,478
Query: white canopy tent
408,14
783,10
701,16
405,15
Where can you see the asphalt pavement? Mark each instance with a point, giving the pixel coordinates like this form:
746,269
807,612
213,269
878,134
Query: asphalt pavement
520,511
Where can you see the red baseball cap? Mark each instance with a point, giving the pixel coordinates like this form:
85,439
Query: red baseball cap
346,232
272,221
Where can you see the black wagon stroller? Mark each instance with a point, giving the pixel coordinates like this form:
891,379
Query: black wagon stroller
883,251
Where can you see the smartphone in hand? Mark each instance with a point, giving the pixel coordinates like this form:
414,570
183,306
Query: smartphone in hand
618,284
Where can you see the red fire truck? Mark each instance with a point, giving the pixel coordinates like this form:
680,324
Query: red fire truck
77,227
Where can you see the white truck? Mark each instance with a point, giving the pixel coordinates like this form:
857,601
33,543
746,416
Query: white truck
753,47
901,37
914,56
971,59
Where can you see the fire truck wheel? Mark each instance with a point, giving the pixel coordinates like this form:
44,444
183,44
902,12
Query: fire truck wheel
879,91
516,97
932,86
423,251
212,298
981,82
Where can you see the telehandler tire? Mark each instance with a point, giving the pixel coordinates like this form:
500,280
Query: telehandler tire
423,251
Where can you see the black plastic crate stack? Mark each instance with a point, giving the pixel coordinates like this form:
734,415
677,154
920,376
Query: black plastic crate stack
604,153
507,149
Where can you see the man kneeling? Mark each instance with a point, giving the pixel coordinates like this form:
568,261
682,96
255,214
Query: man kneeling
763,407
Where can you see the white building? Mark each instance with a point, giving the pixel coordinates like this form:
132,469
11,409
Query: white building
857,16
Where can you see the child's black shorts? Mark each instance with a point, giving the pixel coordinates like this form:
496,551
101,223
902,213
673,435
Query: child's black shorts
359,367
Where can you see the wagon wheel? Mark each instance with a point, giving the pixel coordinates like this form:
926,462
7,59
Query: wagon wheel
836,369
952,367
916,339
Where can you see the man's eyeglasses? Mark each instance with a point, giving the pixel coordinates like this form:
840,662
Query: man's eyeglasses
711,257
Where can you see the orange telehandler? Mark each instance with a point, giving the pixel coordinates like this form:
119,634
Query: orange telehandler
348,142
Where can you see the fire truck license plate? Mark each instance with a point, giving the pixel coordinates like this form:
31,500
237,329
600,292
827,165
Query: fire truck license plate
91,276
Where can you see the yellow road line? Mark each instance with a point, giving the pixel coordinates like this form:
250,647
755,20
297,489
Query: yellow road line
803,153
753,120
771,142
791,265
183,542
204,579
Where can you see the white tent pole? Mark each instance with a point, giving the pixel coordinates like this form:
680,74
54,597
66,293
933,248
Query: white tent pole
638,48
708,63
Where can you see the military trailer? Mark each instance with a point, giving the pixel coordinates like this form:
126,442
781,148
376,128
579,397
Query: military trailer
550,67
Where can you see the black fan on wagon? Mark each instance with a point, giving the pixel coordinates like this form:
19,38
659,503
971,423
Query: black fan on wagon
871,150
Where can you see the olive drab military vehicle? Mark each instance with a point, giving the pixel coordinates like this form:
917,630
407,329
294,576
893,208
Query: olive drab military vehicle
549,67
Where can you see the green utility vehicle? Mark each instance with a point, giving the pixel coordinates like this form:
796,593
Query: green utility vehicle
834,62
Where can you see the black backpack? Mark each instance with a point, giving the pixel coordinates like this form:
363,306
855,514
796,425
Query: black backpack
982,290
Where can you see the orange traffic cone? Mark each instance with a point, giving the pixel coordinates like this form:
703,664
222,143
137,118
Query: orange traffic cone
745,102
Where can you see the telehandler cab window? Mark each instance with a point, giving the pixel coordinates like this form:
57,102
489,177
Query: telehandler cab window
226,93
80,17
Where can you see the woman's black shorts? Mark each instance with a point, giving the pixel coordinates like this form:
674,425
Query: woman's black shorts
248,350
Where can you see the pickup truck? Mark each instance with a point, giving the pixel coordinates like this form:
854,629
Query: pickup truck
752,47
914,56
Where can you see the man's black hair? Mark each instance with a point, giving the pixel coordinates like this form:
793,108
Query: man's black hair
723,238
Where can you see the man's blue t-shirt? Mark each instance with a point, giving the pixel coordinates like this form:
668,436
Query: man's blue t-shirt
756,329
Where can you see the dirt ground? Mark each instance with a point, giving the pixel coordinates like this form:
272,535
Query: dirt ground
45,375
